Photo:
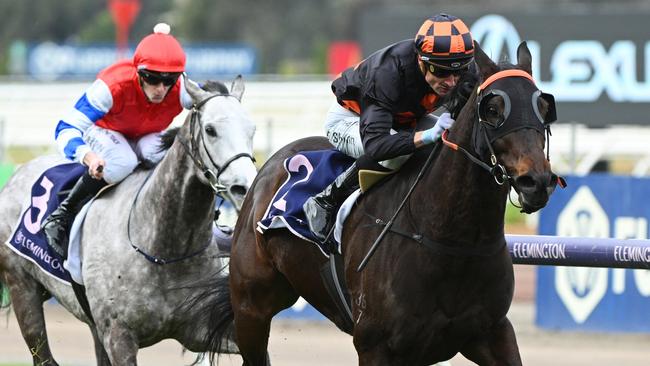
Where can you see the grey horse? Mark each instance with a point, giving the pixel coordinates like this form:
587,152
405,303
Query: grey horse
168,211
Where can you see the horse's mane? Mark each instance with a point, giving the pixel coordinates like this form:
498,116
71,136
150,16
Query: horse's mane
215,87
168,136
455,100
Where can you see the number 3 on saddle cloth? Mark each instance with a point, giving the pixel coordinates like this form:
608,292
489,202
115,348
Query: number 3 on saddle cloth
50,189
309,172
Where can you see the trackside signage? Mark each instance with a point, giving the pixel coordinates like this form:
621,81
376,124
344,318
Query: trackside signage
50,61
596,299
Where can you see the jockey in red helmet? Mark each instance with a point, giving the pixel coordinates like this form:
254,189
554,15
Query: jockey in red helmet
383,107
116,123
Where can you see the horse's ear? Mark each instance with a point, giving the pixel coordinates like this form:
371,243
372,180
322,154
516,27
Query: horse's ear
195,91
237,87
485,65
524,59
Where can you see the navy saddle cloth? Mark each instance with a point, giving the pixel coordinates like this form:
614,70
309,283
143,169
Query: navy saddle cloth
46,194
309,172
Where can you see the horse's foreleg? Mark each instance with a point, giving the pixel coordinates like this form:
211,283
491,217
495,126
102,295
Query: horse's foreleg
258,292
120,345
100,352
252,339
497,348
27,297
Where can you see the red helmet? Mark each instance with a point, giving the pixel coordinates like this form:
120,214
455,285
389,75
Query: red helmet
160,52
445,41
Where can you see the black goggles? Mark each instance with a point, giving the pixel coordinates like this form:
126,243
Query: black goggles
151,78
441,73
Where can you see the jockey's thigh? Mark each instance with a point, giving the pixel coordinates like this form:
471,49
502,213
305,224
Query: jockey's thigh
148,148
342,130
116,151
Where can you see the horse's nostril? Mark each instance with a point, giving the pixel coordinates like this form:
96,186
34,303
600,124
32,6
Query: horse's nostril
238,190
525,182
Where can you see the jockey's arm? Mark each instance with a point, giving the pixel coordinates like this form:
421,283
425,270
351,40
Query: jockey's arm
432,134
92,106
380,141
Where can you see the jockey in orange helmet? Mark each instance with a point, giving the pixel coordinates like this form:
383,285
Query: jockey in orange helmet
383,103
116,123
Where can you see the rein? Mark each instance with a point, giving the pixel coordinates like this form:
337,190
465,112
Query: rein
149,257
389,224
497,170
192,150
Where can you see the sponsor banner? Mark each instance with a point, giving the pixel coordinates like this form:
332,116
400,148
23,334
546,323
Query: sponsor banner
50,61
596,299
598,70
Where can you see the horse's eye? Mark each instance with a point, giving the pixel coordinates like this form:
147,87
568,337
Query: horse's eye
211,131
492,111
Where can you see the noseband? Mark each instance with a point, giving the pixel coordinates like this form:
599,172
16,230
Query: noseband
193,148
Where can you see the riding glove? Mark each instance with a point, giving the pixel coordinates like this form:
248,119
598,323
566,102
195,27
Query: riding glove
433,134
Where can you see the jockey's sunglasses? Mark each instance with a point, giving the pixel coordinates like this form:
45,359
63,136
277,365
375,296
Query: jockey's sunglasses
151,78
441,73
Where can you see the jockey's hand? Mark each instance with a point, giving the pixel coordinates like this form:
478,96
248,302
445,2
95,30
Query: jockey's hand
95,165
433,134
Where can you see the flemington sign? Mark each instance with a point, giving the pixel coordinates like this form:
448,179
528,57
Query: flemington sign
596,65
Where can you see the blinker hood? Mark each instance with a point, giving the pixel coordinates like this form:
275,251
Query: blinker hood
520,109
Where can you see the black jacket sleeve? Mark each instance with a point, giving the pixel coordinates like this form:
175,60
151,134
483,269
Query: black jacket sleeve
378,142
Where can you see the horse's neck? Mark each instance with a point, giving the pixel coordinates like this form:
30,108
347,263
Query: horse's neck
174,208
465,205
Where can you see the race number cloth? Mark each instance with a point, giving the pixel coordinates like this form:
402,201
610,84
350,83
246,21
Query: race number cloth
309,172
28,240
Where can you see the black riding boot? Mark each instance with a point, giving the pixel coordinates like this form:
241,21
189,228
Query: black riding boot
57,226
321,209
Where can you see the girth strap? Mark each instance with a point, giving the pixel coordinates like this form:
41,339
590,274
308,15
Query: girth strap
334,281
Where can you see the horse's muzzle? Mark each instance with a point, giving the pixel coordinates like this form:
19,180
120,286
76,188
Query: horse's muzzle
534,190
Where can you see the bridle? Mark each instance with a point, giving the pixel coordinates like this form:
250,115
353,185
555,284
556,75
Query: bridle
192,148
196,140
494,168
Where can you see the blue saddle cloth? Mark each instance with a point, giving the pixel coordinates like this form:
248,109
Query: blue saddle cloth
47,192
309,173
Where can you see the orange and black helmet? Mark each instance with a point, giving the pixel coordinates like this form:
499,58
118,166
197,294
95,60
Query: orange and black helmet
445,41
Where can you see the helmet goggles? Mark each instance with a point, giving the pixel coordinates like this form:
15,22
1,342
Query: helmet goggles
155,78
444,73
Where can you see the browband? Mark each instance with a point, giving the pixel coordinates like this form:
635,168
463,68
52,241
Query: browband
505,74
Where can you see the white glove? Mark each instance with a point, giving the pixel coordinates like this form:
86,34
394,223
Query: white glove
433,134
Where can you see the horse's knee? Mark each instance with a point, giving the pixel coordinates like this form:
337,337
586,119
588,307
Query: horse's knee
120,345
498,347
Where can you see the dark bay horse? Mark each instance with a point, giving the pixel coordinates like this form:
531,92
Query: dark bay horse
442,281
165,212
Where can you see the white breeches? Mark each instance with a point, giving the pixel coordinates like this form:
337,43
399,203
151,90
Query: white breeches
342,130
121,154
